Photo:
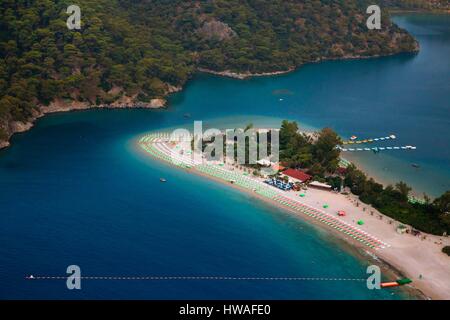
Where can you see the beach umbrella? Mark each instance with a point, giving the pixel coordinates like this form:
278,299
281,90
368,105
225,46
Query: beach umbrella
325,206
360,222
301,194
341,213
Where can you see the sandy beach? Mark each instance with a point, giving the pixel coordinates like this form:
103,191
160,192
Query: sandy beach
417,257
409,254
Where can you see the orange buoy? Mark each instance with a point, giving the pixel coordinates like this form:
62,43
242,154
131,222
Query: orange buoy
389,284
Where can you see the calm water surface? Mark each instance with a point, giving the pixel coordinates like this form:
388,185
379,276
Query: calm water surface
75,190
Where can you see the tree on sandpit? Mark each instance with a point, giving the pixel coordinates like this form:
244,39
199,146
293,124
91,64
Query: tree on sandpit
446,250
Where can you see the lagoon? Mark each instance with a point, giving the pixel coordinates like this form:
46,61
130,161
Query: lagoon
76,190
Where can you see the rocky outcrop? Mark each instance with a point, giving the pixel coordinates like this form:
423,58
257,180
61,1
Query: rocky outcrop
64,105
61,105
18,126
243,75
215,29
4,144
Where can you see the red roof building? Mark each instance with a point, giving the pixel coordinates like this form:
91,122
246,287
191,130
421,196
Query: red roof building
297,175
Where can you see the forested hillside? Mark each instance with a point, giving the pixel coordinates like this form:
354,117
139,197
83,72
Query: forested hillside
130,51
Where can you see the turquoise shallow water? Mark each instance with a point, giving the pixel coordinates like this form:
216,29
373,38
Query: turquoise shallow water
75,190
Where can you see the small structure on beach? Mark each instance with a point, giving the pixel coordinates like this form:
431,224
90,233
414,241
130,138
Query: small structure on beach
264,163
320,185
297,175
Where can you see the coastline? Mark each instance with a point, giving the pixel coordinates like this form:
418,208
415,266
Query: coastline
124,102
399,259
248,75
244,75
59,105
350,246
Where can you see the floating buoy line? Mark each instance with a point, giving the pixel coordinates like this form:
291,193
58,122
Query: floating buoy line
373,149
354,141
377,149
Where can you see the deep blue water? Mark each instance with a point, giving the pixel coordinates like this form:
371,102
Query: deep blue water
75,190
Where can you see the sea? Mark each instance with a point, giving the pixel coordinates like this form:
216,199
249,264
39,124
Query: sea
76,189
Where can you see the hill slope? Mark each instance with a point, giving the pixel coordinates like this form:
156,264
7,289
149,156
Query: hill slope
131,51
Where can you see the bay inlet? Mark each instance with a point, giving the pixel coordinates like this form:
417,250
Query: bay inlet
75,191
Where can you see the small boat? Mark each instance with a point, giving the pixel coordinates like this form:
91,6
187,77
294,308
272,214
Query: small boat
162,180
353,137
187,115
415,165
400,282
389,284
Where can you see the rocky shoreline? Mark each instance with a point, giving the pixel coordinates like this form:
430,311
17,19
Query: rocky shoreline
59,105
247,75
244,75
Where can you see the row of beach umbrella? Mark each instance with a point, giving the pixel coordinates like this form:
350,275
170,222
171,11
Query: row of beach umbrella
153,145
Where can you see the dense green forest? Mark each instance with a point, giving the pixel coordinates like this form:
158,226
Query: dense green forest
139,49
319,157
432,217
316,153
